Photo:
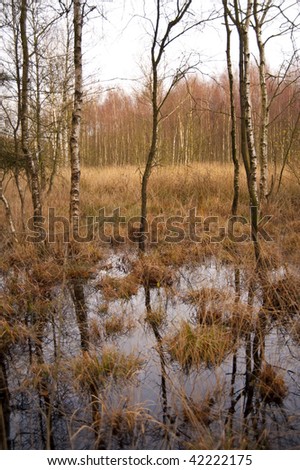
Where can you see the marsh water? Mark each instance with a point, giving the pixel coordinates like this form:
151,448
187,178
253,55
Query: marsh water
103,372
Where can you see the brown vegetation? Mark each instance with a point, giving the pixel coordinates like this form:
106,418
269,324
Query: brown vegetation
193,346
271,385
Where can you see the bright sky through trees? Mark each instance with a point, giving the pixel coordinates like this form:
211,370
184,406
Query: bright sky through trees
117,47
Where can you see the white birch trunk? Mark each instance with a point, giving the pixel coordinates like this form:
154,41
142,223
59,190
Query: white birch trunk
32,169
248,113
76,118
264,118
7,209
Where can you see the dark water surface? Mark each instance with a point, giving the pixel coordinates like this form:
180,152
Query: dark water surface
55,397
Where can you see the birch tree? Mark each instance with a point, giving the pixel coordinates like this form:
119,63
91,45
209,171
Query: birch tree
6,155
241,19
7,208
260,12
285,20
32,167
76,117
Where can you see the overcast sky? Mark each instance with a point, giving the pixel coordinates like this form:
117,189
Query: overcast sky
120,42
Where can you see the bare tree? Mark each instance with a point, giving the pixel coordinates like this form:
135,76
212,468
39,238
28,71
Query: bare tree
164,33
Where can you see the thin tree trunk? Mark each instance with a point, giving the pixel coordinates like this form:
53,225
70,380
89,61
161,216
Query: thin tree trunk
154,138
4,404
39,155
146,176
21,193
76,118
252,182
7,209
55,158
158,48
32,167
18,68
264,118
287,153
242,87
234,156
247,135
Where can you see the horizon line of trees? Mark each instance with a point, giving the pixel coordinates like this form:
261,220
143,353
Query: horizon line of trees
196,123
195,126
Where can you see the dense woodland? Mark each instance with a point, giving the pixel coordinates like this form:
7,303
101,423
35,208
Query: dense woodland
116,131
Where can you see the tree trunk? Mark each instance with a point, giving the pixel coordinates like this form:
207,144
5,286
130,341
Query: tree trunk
247,134
39,158
76,119
31,164
148,169
234,156
4,405
159,45
7,209
264,118
252,181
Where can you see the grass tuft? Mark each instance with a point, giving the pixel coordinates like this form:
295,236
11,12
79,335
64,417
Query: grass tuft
271,385
90,369
203,344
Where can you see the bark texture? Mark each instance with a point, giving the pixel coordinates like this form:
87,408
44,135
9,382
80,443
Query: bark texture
32,169
76,118
236,177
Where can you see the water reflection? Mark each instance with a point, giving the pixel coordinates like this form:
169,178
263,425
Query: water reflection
154,322
81,311
78,296
235,401
4,403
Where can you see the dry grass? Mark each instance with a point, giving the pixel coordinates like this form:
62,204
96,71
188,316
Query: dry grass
219,307
117,325
88,368
156,318
124,419
173,191
209,304
151,272
203,344
271,385
12,332
197,413
241,318
113,288
283,296
119,420
295,330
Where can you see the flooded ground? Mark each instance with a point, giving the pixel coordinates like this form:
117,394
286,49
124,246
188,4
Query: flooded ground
188,359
